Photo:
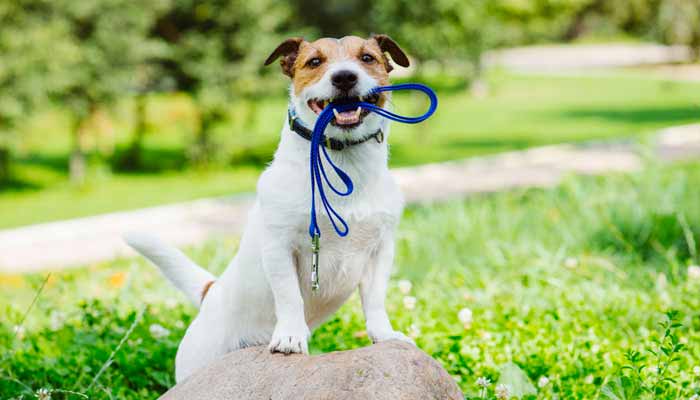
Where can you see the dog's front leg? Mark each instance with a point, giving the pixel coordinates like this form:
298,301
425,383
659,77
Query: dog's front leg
291,332
373,293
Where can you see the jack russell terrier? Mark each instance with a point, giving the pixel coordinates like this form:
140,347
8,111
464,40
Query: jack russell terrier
265,296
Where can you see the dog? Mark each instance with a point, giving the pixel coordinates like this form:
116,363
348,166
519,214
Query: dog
265,296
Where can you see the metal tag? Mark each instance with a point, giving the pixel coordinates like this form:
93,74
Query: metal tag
315,248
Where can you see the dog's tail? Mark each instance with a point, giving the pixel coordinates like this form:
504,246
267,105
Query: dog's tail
193,280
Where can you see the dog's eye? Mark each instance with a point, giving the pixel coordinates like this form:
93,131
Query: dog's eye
314,62
367,58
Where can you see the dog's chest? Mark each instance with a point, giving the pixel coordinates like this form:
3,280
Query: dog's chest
342,263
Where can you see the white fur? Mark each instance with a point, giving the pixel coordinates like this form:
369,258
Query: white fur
264,296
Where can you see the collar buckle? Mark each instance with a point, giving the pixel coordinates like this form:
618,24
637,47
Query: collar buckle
379,136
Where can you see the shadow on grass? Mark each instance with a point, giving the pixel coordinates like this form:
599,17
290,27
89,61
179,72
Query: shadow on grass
58,163
150,160
258,156
650,236
641,115
442,85
485,144
18,185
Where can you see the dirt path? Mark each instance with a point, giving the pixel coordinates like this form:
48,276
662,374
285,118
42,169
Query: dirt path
558,58
82,241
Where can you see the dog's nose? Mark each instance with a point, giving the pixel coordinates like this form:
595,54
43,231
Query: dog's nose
344,80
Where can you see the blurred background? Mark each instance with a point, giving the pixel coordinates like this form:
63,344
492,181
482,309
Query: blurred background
111,99
510,265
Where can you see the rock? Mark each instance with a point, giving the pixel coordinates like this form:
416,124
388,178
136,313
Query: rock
387,371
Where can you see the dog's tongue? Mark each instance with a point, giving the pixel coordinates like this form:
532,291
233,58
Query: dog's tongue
347,118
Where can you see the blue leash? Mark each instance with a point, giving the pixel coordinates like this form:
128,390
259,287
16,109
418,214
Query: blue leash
317,170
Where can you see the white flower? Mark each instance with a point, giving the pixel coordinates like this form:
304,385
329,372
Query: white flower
654,369
696,370
170,303
589,379
56,320
18,330
570,263
158,331
543,381
471,351
465,317
695,397
413,331
502,392
694,272
409,302
661,281
43,394
483,382
405,286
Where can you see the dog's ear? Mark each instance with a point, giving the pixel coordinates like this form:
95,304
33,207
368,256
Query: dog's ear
387,45
288,50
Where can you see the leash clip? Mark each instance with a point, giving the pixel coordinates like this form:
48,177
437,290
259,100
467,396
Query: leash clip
315,248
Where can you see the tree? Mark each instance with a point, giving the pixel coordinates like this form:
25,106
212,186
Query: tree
679,23
216,49
25,67
441,31
111,55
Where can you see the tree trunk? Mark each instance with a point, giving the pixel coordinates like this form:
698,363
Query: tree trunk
479,87
203,149
199,154
77,165
577,27
5,156
132,159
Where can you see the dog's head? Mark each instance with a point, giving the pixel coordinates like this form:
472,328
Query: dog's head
340,70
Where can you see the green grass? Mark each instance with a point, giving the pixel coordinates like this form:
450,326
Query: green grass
520,111
561,283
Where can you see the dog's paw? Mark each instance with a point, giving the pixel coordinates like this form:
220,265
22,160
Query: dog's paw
378,337
290,340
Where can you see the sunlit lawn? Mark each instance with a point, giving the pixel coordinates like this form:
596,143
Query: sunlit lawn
561,282
519,112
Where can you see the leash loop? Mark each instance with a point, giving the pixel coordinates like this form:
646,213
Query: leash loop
318,172
316,164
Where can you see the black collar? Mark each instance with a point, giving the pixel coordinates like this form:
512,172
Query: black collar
329,143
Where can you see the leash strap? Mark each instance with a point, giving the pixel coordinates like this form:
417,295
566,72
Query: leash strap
317,170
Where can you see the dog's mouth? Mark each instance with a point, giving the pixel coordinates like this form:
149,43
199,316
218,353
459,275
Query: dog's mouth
346,119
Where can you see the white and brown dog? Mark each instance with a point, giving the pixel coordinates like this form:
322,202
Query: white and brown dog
265,296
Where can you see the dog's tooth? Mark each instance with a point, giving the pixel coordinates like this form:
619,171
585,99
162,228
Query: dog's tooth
357,112
335,112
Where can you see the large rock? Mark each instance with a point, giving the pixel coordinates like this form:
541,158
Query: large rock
386,371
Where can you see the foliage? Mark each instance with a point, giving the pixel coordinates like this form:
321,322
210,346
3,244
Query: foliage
86,56
439,30
654,382
543,299
25,37
679,23
216,51
111,59
522,111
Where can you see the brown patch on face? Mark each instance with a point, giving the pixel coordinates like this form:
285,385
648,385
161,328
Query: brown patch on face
307,62
329,51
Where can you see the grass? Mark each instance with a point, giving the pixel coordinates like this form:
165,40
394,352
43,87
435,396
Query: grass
521,111
569,284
